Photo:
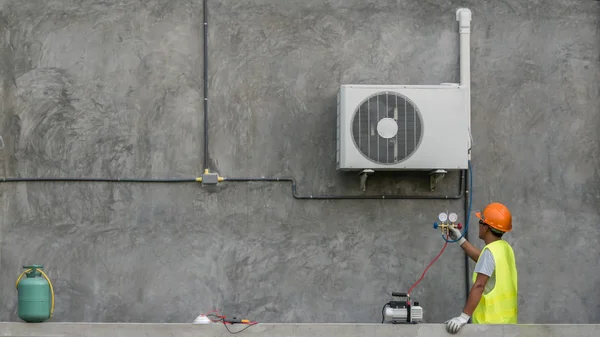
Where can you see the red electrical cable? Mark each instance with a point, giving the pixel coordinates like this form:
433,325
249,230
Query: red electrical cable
430,264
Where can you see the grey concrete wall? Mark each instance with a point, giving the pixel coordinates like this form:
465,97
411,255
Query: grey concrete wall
292,330
114,89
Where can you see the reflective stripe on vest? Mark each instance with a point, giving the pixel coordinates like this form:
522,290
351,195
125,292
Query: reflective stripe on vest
499,306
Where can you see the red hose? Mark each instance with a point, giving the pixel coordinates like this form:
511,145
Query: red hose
430,264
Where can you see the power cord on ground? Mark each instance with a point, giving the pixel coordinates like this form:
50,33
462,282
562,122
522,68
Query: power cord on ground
222,319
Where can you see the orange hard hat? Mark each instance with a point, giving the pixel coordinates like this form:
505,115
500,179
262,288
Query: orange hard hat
497,216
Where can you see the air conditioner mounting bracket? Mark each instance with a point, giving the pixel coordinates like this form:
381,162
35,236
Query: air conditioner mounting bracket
435,177
363,178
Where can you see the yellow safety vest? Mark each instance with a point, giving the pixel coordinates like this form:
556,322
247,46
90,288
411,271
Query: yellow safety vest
500,305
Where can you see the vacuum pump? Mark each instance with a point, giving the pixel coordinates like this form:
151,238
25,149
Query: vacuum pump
402,311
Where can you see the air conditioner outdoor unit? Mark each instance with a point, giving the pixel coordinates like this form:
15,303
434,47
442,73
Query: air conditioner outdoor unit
407,127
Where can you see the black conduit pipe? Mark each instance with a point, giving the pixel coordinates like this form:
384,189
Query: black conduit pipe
205,83
290,180
466,234
382,197
104,180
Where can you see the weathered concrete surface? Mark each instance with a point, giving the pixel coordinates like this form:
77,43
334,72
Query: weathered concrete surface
292,330
114,89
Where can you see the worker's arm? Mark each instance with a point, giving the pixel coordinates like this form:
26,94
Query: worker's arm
484,269
453,325
472,251
475,294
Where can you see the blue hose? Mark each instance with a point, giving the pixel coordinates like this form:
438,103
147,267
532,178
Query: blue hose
468,216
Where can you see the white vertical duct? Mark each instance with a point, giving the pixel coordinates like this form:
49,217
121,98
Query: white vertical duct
463,16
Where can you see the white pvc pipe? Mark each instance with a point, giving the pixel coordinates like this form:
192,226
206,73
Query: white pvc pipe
463,16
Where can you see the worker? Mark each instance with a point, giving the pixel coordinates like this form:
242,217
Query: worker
493,296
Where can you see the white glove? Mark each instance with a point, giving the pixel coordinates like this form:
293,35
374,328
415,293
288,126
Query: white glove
453,325
455,234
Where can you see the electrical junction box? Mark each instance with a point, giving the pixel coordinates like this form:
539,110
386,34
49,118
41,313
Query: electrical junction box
210,178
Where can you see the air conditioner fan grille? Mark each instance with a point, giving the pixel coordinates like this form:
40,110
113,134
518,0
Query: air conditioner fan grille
387,128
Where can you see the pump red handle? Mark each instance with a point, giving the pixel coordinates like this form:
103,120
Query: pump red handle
459,226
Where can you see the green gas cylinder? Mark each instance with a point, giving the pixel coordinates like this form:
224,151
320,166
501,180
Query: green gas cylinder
36,295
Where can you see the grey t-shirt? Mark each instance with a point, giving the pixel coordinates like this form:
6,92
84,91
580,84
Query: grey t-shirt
486,265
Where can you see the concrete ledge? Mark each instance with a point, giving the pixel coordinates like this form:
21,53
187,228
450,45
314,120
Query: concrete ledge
291,330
